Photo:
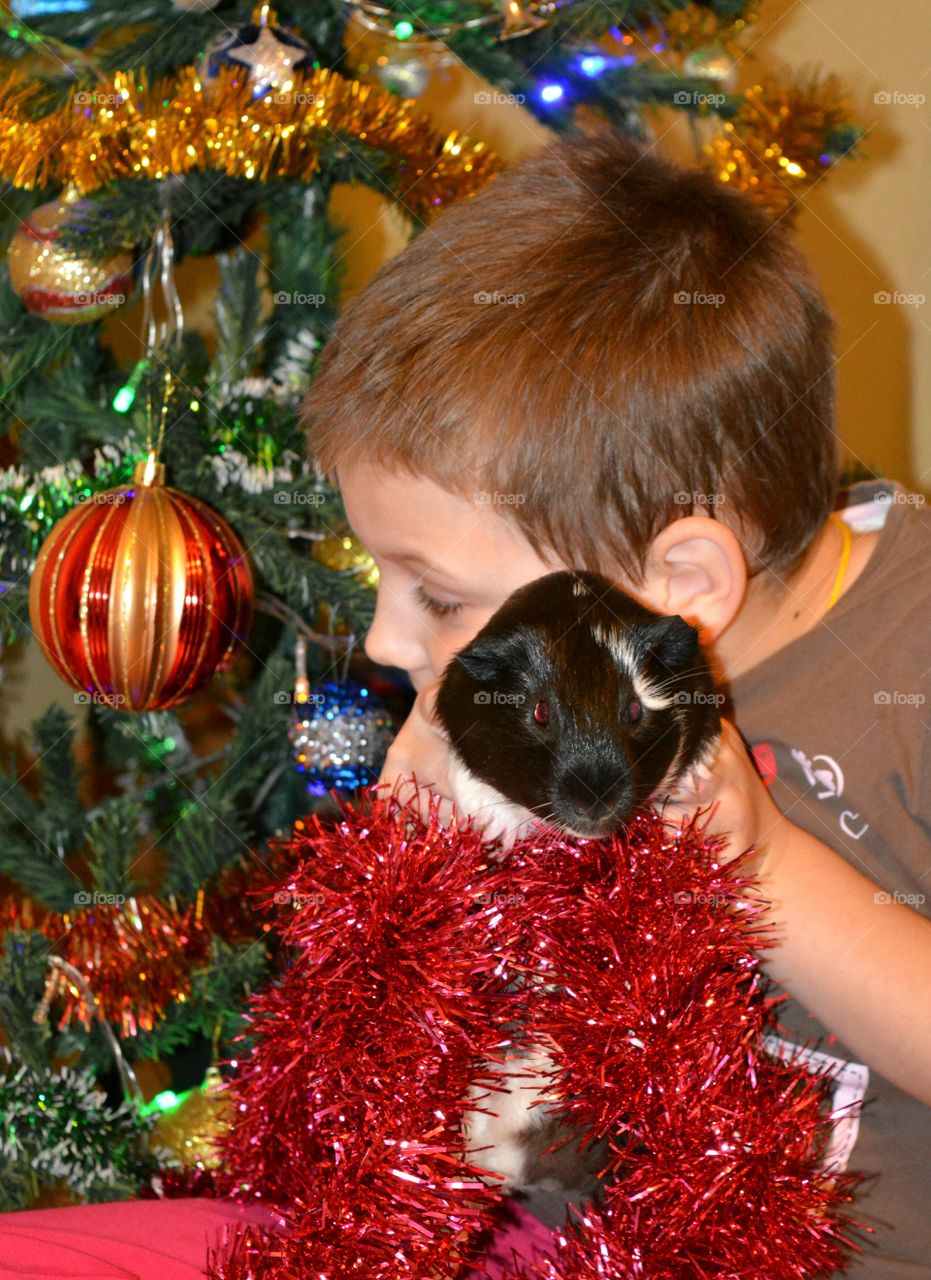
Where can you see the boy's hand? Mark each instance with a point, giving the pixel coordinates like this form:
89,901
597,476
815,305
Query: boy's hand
742,807
417,759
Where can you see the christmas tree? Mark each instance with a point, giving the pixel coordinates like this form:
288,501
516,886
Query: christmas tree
217,667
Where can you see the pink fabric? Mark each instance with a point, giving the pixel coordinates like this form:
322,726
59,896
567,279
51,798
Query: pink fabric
128,1240
168,1239
517,1233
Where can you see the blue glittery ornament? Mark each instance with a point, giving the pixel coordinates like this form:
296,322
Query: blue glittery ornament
340,737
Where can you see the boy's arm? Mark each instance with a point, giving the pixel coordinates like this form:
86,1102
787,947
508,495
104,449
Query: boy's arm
848,953
851,955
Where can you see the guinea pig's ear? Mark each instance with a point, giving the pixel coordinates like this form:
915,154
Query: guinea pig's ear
488,657
675,643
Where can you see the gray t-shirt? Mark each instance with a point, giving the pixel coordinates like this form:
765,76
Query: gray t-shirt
839,721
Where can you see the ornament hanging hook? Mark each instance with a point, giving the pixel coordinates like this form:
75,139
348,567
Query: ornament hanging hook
159,260
62,971
301,683
347,657
161,338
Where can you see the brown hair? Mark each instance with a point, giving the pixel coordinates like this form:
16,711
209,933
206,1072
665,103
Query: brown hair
536,341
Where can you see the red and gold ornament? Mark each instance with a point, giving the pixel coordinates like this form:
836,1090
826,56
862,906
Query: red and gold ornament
141,594
135,957
51,281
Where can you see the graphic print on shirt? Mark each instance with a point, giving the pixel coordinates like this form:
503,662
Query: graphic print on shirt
825,779
765,760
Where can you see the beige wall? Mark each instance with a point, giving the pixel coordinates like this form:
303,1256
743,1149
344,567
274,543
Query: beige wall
864,227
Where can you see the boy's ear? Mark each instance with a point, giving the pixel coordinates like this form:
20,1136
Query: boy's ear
696,568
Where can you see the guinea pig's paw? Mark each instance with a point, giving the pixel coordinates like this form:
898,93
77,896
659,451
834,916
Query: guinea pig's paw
691,782
705,761
504,824
688,784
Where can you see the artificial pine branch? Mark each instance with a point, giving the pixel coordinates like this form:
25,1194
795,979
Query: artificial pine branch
238,312
23,969
113,838
37,835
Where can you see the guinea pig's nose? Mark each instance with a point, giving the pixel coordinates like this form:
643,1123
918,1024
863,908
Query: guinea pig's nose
592,800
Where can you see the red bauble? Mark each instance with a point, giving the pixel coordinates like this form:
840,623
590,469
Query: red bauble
140,595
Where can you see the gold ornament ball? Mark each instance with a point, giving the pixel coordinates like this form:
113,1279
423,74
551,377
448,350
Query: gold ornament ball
346,553
54,284
190,1130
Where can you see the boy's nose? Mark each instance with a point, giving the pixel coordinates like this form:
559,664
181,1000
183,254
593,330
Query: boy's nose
390,646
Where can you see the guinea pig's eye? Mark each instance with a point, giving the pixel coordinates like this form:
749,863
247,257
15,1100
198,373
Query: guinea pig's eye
634,710
541,713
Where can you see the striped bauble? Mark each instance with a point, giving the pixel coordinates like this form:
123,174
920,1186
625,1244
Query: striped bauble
140,594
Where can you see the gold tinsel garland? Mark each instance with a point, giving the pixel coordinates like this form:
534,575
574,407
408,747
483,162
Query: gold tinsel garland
125,129
773,146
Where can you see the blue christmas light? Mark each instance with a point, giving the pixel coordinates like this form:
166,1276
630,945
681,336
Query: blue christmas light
36,8
552,92
593,64
596,64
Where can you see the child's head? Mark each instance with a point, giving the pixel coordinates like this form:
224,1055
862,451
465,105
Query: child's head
596,347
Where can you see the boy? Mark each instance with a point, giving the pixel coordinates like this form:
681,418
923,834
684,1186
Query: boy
605,362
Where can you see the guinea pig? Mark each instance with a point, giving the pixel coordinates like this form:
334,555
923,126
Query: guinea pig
574,707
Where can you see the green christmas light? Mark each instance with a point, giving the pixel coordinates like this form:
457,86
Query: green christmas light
167,1100
123,400
402,30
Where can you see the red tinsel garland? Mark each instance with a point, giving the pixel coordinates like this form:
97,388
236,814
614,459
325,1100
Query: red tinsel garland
632,960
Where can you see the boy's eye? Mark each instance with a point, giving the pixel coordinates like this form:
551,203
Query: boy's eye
439,608
634,710
541,713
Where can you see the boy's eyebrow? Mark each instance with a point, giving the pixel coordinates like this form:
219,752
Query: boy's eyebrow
414,557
